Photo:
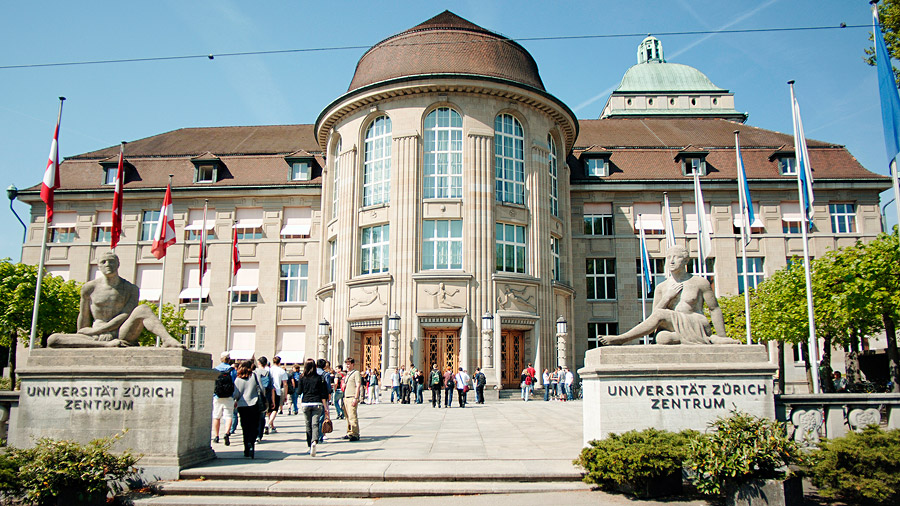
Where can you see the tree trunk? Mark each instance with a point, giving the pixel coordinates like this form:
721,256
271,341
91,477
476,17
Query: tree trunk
804,349
781,367
851,360
13,347
893,357
825,381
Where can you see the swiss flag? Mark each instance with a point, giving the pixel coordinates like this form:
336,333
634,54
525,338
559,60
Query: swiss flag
235,256
165,227
51,174
117,199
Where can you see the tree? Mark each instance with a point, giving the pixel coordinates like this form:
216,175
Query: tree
172,319
889,16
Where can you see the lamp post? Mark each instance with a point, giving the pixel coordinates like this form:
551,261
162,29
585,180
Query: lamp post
561,335
394,340
324,332
12,192
487,335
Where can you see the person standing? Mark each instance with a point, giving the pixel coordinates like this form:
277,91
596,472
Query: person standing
554,383
294,382
247,393
462,386
570,385
562,384
373,387
404,385
322,370
223,403
420,386
527,384
279,387
339,392
434,383
353,390
480,382
448,387
395,385
546,382
314,388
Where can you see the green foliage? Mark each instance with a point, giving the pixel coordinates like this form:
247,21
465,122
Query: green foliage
76,472
733,312
742,448
635,459
10,462
860,468
889,17
172,319
58,310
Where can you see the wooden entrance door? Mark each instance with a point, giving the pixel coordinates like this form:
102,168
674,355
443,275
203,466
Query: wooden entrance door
441,348
512,357
371,351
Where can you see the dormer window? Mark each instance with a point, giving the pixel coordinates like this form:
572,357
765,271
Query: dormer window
206,174
206,168
596,164
692,161
787,165
109,175
301,171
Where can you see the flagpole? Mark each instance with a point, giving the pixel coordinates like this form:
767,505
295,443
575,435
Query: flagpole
162,285
801,167
643,274
202,265
48,222
745,231
701,258
231,289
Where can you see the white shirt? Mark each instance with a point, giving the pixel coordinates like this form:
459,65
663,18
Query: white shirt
462,379
278,376
546,378
570,378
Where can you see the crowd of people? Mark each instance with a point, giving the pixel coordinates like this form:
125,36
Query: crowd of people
408,386
559,384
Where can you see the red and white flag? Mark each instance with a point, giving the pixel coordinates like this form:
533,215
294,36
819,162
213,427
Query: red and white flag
51,174
235,256
116,231
203,249
165,227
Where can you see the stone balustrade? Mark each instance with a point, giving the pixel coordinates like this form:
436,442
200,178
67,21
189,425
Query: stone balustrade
811,417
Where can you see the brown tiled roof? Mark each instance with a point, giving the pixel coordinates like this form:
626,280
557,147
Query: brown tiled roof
646,149
446,44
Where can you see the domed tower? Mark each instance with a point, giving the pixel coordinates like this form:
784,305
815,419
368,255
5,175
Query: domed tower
444,197
656,88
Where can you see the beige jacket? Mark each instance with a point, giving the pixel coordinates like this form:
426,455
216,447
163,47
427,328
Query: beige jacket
352,385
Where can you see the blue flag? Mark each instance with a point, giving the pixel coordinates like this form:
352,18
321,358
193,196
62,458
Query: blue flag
887,86
645,259
745,203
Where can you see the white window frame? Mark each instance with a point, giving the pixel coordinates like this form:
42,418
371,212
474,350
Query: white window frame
787,165
149,222
301,171
509,159
442,243
190,340
554,176
511,252
600,277
598,219
249,223
332,260
293,282
597,167
556,274
443,154
843,217
690,163
377,162
374,252
657,275
109,175
205,173
755,272
335,179
597,329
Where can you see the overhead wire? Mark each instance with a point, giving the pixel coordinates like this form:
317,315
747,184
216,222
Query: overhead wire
212,56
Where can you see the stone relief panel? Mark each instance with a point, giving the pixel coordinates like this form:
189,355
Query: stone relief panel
368,300
862,418
807,425
516,298
441,295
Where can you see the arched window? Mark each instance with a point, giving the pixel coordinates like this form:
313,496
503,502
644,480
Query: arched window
443,154
377,162
335,178
554,177
509,159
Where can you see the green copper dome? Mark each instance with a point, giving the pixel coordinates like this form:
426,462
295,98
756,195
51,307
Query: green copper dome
652,73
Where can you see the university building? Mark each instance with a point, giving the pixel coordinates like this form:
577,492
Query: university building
448,209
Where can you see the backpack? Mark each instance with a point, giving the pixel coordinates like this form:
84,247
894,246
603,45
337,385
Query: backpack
527,379
451,382
265,381
435,378
224,385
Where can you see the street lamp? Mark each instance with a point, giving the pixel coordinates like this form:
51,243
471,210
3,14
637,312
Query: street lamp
487,334
324,331
394,340
12,192
561,335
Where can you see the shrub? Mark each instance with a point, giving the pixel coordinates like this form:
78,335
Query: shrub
861,468
743,448
634,460
70,471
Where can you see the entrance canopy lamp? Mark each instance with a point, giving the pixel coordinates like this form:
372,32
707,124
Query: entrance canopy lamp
324,327
487,322
561,325
394,323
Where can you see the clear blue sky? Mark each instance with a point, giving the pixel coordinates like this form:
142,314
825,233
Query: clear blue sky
128,101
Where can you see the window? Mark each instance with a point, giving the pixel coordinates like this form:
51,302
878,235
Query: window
791,217
297,222
756,227
377,164
293,282
191,289
649,217
788,166
441,244
206,173
601,278
375,242
192,340
103,227
332,247
509,159
598,219
694,268
149,281
248,223
598,330
62,230
239,297
657,275
196,224
510,253
554,178
597,167
335,179
443,154
690,218
149,221
301,171
691,164
109,175
843,218
245,284
755,273
554,253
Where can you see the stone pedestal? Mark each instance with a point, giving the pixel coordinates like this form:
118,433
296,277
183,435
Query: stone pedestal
673,387
162,396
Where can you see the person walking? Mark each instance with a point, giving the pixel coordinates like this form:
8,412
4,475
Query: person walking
462,386
265,381
294,382
480,381
448,387
546,382
249,396
322,370
314,389
434,383
353,390
279,384
527,384
223,403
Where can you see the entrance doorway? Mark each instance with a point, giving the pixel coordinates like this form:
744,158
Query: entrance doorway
441,348
512,357
371,351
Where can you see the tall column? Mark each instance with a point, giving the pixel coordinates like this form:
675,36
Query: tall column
478,225
346,247
404,253
539,249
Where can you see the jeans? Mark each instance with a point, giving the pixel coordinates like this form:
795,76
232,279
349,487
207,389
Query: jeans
419,390
234,423
339,402
554,389
448,396
249,416
462,397
570,392
313,416
479,395
436,397
546,392
526,391
562,391
395,392
294,396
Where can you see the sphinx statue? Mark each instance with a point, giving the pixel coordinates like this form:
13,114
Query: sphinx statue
677,315
109,314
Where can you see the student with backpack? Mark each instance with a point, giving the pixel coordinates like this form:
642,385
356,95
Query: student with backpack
434,383
265,382
223,403
480,382
527,385
449,386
